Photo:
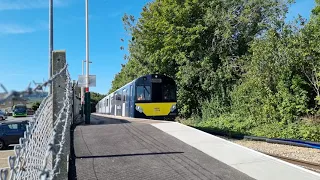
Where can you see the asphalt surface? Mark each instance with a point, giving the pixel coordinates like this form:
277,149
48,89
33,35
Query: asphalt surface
118,149
10,118
4,154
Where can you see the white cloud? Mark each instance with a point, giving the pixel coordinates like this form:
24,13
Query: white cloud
6,29
29,4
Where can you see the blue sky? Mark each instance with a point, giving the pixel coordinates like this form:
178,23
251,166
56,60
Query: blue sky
24,37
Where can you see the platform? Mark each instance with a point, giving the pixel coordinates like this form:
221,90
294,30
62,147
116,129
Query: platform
125,148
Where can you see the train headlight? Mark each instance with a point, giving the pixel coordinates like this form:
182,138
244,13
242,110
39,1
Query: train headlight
138,108
173,107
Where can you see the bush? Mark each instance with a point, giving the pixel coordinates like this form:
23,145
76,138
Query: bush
35,106
290,131
231,125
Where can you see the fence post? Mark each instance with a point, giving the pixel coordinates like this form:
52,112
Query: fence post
59,94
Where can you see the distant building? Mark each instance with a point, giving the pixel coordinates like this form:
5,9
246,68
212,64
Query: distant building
26,100
11,102
36,97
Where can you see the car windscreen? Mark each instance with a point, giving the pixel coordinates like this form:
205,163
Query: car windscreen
20,109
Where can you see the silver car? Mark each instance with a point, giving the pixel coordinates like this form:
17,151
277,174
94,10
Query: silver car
2,116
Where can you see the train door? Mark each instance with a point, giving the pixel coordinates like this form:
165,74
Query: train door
131,103
104,105
124,99
112,105
107,106
156,92
119,104
127,103
115,104
110,100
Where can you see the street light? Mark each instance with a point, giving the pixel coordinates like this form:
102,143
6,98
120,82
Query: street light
50,40
87,98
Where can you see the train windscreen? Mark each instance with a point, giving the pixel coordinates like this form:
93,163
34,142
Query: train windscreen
163,92
143,93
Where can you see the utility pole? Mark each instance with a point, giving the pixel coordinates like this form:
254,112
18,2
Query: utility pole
88,104
50,40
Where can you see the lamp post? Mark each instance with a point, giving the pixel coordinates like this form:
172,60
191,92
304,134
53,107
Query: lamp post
50,40
87,96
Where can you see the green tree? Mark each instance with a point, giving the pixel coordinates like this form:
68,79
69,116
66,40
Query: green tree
95,98
238,65
279,85
35,105
197,42
310,51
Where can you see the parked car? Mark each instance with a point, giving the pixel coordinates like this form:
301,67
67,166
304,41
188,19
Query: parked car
11,132
3,116
30,111
19,110
8,112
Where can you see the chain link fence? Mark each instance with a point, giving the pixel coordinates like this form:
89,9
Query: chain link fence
43,152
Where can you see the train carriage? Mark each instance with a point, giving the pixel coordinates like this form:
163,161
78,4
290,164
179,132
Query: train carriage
151,96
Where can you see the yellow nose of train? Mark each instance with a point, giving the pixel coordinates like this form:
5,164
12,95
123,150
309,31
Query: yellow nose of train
156,109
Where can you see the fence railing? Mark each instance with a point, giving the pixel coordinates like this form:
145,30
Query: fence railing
43,152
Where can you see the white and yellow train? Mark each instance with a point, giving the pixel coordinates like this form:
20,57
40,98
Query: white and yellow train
152,96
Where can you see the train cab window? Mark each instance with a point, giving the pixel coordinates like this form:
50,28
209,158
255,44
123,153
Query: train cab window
143,93
169,92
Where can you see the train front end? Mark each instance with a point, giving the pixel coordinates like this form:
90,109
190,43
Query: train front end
155,97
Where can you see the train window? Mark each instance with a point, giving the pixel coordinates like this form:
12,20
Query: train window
143,93
131,93
169,92
118,97
124,94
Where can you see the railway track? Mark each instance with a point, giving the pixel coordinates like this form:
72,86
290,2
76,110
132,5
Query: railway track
308,165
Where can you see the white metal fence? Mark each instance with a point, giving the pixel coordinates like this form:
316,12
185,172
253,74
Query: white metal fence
43,153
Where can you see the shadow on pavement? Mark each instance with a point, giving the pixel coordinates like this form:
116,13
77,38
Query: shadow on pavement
98,120
94,120
126,155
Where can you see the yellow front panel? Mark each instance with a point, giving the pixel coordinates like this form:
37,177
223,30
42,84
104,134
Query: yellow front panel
156,109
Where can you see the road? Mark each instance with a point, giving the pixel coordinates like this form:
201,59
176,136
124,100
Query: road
4,154
10,118
118,149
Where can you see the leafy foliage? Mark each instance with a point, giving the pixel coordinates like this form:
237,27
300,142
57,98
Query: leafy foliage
95,98
238,65
35,105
